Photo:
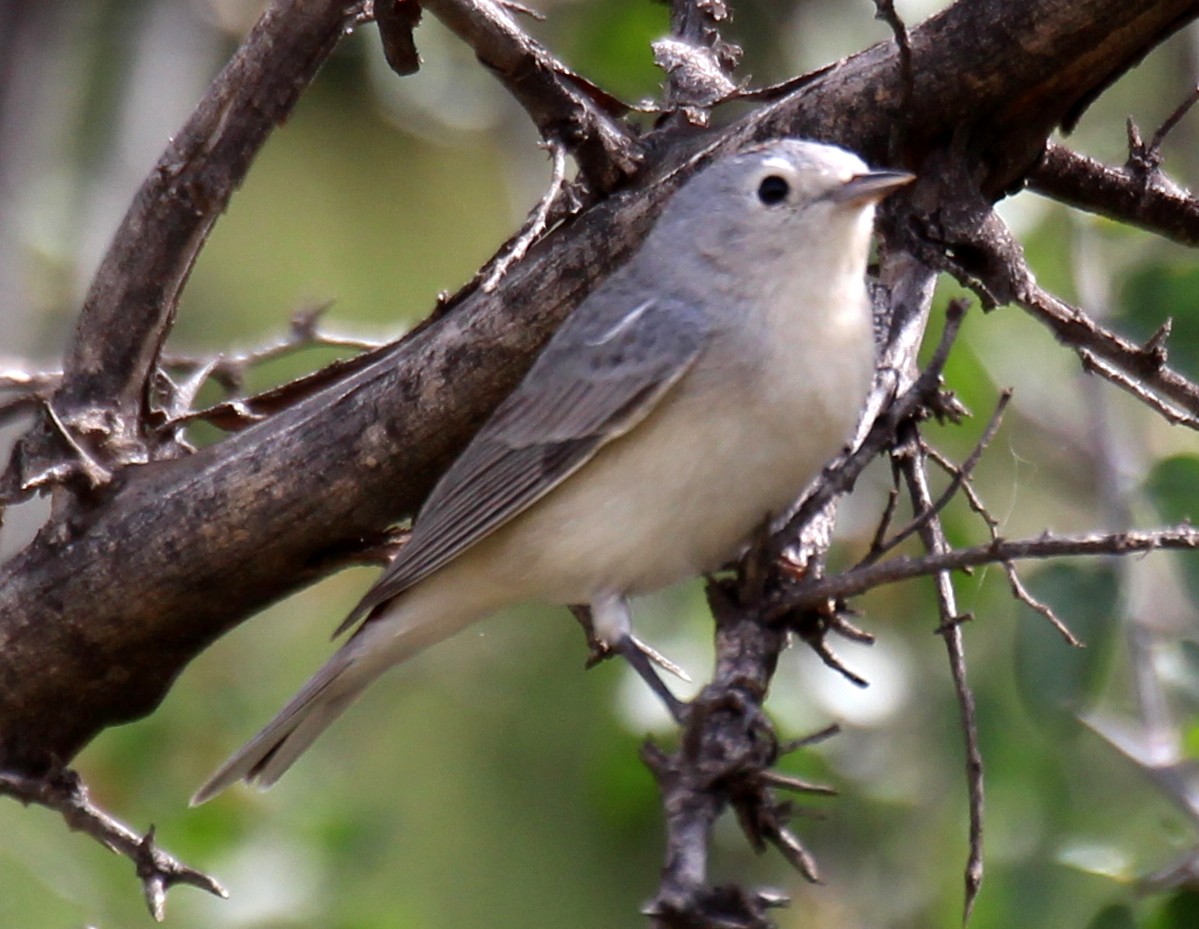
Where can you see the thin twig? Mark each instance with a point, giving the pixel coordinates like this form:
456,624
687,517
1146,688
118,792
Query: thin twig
64,793
967,487
796,784
1092,364
913,465
887,517
1167,126
1021,593
304,332
957,479
902,568
1146,364
998,272
535,225
839,477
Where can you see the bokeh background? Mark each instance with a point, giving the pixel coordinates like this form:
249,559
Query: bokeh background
493,782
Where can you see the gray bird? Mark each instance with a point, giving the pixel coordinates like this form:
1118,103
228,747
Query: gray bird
688,399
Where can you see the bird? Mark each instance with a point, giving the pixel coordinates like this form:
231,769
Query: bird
685,402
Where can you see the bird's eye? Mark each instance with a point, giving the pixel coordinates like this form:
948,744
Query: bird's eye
773,190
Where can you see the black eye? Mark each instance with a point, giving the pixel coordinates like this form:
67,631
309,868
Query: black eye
773,190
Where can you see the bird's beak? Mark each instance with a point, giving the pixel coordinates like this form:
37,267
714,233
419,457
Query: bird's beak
870,187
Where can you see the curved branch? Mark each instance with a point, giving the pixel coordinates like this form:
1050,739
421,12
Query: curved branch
562,104
64,793
131,303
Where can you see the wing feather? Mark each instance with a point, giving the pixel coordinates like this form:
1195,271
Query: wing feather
599,376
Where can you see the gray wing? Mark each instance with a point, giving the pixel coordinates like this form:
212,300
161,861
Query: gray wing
599,376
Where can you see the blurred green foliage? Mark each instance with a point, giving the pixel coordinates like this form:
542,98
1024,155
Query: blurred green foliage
493,782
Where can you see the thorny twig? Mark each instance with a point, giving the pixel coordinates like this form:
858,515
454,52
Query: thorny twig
1094,365
997,271
958,477
64,793
1145,159
1143,364
1019,591
536,224
912,463
1158,206
304,332
1047,545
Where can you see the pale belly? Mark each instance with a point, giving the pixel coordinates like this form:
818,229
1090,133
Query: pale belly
681,495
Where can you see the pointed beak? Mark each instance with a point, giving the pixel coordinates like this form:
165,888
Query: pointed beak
870,187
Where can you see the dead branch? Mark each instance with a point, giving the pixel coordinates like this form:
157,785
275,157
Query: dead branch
958,478
913,465
103,400
562,104
1093,544
964,236
63,792
1158,206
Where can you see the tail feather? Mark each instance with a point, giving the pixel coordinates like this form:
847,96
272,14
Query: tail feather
273,750
394,631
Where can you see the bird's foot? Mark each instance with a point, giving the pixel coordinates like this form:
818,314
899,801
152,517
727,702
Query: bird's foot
642,659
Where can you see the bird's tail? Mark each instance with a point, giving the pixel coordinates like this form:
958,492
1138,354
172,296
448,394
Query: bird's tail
394,633
273,750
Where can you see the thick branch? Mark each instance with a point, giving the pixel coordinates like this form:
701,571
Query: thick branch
99,616
131,303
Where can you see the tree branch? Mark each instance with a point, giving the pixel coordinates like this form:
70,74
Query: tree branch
1153,204
562,104
913,464
859,580
104,400
64,793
